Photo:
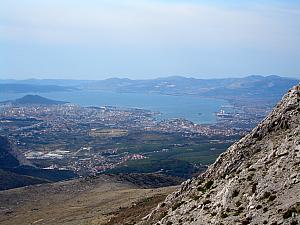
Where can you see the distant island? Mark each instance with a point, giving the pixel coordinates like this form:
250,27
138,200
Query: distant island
34,100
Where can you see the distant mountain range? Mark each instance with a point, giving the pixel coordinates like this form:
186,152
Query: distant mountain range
246,88
19,87
34,100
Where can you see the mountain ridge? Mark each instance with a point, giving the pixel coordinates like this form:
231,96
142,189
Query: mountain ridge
256,181
249,88
236,90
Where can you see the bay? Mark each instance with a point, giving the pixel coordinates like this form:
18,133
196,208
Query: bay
196,109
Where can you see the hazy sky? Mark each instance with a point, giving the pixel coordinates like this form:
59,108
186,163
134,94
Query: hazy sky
96,39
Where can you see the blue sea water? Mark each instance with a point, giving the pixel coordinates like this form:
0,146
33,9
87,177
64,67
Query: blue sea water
196,109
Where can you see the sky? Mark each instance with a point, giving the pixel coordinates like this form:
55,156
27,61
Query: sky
143,39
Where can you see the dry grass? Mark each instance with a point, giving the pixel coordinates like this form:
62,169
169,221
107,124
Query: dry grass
95,201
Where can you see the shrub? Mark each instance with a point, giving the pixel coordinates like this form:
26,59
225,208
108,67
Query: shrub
193,207
258,207
196,197
237,213
213,214
266,194
272,197
206,208
238,203
250,176
245,221
162,215
209,184
177,205
298,207
289,213
239,210
203,190
254,187
200,181
235,193
206,187
206,202
223,215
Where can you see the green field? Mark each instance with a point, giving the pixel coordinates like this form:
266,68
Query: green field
170,153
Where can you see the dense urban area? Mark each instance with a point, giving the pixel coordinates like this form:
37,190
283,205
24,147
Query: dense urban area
91,140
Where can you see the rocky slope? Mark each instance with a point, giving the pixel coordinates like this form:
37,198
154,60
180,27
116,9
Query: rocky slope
256,181
103,199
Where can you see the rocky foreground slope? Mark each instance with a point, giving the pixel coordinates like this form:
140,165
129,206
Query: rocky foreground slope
103,199
256,181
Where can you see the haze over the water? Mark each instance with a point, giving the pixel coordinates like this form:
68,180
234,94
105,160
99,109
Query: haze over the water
139,39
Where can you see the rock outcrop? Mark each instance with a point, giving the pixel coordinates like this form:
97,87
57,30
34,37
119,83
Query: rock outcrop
256,181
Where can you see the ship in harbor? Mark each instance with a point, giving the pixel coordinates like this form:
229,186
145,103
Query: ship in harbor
224,115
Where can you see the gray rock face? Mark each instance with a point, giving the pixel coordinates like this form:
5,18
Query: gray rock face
256,181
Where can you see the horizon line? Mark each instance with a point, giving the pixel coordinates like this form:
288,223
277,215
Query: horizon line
156,78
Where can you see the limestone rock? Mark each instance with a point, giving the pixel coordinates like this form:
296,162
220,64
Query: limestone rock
256,181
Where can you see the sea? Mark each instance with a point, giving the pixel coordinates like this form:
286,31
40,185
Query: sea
196,109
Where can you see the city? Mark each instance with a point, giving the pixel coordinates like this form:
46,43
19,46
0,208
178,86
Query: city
89,140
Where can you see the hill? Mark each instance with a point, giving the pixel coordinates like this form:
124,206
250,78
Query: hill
34,100
256,181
